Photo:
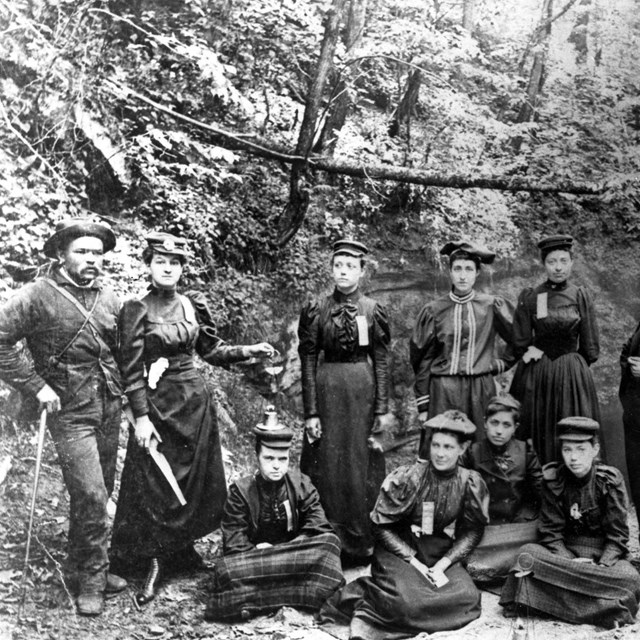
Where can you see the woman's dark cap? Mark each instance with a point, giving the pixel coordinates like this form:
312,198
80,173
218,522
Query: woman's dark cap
555,243
452,420
577,428
72,228
350,248
467,250
272,432
167,244
505,400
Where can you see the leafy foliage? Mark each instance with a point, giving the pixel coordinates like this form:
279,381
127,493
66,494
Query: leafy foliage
75,137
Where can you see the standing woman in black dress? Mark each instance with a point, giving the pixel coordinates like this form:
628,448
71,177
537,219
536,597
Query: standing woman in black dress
555,335
345,393
170,404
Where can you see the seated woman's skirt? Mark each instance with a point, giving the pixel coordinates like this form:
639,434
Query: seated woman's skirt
496,553
577,592
301,573
397,601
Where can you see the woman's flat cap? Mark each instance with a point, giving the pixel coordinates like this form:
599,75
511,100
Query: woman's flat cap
72,228
505,400
167,244
452,420
553,243
350,248
467,249
577,428
272,432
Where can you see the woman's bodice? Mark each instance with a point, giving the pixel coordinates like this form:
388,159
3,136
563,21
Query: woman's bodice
170,326
557,318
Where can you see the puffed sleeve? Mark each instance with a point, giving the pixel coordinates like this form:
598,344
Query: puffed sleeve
381,339
235,523
308,349
523,323
552,518
589,347
396,501
503,313
423,349
131,355
615,514
313,520
475,516
398,494
18,317
209,346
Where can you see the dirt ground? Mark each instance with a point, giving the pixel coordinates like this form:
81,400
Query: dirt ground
177,612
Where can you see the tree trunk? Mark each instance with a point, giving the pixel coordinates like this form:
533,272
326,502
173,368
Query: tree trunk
537,75
343,102
356,21
579,36
468,14
407,103
296,209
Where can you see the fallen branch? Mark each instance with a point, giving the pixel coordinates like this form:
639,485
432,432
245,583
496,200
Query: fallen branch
241,143
370,171
452,181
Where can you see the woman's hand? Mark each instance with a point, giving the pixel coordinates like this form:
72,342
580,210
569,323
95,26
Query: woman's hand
532,353
634,366
260,350
442,565
313,429
422,568
144,431
263,545
435,575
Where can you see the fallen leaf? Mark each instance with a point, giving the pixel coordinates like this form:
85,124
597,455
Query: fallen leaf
7,575
5,467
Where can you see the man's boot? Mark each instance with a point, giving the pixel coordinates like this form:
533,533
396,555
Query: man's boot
115,584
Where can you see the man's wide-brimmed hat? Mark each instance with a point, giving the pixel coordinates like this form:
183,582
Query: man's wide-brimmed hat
72,228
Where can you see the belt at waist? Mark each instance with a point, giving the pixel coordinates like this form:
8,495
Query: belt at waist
554,350
339,357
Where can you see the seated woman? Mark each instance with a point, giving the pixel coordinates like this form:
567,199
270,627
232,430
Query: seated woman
279,548
428,518
511,470
578,572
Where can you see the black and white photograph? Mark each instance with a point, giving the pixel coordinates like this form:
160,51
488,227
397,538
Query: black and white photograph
319,319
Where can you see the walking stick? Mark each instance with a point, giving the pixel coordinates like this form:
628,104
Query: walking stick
36,479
